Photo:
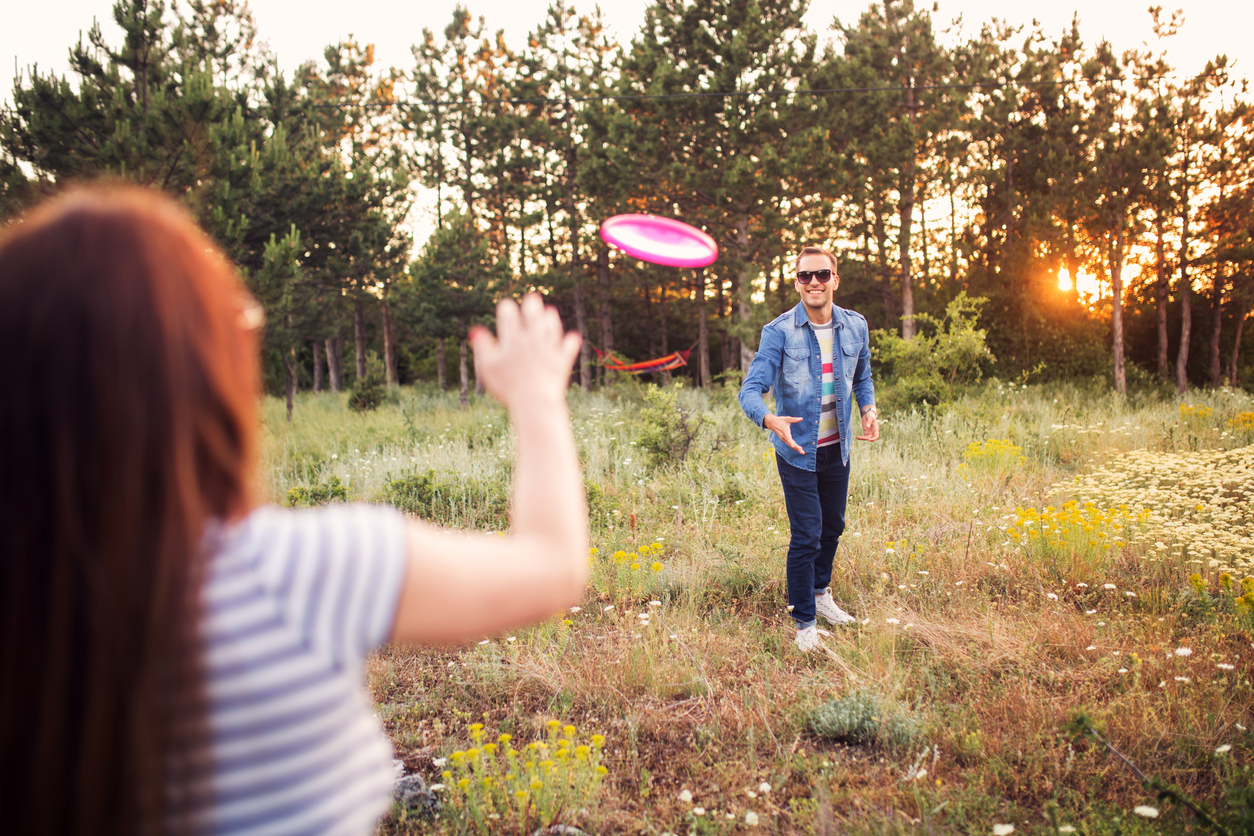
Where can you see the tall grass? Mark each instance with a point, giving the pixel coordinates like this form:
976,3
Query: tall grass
978,636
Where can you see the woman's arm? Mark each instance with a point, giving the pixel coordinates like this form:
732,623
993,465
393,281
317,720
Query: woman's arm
459,586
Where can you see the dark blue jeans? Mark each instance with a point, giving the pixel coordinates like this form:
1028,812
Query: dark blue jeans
816,514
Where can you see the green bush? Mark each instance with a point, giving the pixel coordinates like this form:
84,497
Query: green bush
308,496
864,717
929,368
464,503
669,429
367,394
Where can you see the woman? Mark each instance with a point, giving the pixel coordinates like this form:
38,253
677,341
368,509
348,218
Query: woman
174,657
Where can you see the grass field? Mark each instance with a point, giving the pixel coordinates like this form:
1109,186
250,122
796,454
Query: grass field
1022,558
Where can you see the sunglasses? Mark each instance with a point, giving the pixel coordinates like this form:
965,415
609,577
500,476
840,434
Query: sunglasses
804,276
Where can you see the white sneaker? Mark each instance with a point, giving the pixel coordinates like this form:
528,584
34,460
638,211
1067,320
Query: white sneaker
826,607
807,638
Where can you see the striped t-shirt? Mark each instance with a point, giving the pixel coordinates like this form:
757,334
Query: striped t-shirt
829,430
294,600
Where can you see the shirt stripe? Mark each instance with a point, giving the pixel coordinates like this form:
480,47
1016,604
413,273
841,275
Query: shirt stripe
829,429
293,602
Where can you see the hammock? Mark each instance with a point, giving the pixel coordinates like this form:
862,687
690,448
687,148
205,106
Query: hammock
661,364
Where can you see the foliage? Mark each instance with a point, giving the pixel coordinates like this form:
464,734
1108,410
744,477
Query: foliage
994,455
494,788
308,496
863,716
929,368
367,393
466,502
669,429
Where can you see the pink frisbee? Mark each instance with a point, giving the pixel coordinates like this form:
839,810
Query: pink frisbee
660,240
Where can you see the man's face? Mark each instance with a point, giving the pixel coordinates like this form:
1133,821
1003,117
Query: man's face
814,293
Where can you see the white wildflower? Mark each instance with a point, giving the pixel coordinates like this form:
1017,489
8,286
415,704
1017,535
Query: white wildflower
1146,811
1003,829
751,819
1219,750
1184,651
686,796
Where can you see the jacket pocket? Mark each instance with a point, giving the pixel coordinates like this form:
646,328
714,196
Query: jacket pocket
796,367
849,356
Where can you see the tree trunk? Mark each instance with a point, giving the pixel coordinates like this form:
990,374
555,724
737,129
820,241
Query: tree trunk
289,360
1160,291
359,339
1116,308
1186,288
905,219
439,363
389,349
335,362
581,322
703,333
663,336
881,247
1216,325
1243,310
463,394
742,298
607,322
317,366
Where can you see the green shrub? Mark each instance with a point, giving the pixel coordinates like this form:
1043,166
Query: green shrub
929,368
864,717
669,430
464,503
367,393
308,496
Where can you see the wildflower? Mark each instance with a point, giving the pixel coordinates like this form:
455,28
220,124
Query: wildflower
698,811
1219,750
1051,596
607,609
1224,666
764,787
1091,647
686,796
655,603
486,641
751,819
1109,586
1003,829
576,609
567,622
1184,651
893,620
1182,679
1066,828
657,566
1146,811
1090,612
512,639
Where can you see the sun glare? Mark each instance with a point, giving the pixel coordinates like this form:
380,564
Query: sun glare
1087,287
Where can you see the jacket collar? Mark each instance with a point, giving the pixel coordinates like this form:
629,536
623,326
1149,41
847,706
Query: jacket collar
799,318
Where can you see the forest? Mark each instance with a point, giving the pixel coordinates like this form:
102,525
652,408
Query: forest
988,176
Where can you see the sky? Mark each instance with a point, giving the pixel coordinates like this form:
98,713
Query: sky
40,32
297,30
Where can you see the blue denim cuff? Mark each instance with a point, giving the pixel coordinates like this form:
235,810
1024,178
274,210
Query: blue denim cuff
801,626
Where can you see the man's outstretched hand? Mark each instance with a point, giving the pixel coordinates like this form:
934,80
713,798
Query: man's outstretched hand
870,426
781,425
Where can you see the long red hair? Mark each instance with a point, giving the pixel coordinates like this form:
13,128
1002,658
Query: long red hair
128,399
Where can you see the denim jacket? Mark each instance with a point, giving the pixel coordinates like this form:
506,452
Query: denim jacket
789,362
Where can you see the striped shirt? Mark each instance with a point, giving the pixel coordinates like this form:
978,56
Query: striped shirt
294,600
829,431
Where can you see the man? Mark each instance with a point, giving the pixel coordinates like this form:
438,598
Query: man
817,359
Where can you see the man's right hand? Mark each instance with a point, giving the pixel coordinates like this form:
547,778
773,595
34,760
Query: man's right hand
781,425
